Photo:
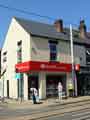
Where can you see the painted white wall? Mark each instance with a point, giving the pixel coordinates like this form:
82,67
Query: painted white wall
15,34
68,80
42,85
1,87
64,52
40,51
80,55
25,87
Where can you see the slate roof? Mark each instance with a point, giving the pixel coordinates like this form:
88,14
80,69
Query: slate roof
47,30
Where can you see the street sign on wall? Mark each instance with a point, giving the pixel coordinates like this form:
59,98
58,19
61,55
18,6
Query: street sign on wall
17,76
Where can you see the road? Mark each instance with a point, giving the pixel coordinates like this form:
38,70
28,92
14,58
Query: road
75,115
76,111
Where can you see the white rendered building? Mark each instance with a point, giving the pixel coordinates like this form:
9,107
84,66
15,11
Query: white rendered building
38,54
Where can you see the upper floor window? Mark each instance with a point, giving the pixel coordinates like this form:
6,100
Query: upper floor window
53,50
88,55
4,59
4,56
4,53
19,43
19,51
53,47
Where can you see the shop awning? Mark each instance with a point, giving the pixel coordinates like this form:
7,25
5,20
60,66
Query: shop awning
44,66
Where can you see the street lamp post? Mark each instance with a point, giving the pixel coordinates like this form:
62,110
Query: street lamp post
72,60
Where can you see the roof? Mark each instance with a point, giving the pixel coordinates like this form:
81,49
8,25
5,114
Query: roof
47,30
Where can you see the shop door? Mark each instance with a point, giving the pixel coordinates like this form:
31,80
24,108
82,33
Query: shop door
32,82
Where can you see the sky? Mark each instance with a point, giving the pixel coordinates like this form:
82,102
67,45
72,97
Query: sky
71,11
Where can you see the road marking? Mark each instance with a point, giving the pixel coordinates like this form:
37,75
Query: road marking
55,112
78,114
68,116
83,118
1,108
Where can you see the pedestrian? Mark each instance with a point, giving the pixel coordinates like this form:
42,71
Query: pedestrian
36,95
60,89
33,95
70,88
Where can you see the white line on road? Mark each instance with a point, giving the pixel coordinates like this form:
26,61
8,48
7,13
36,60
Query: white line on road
79,114
83,118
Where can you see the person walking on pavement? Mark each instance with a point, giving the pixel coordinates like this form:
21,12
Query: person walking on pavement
36,95
70,88
33,90
60,89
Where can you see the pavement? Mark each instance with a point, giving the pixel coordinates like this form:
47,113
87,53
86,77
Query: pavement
17,104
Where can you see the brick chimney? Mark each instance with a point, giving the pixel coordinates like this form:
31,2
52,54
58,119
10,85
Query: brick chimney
82,29
59,25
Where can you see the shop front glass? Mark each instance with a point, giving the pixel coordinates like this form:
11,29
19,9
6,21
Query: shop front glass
52,84
83,85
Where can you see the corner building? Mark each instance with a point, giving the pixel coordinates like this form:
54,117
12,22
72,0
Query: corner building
39,54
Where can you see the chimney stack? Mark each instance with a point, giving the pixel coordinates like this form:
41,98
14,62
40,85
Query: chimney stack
59,25
82,29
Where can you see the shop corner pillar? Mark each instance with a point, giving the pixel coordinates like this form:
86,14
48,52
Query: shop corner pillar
25,87
42,85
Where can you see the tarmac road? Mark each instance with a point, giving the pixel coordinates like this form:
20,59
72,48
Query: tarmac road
51,112
75,115
56,112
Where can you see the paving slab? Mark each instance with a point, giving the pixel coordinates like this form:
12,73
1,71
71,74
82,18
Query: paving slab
17,104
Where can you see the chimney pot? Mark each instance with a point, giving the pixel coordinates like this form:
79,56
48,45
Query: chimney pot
59,25
82,29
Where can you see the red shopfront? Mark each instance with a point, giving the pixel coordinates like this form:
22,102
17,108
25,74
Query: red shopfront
55,72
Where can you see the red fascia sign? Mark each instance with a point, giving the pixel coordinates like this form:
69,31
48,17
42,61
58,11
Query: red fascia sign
44,66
